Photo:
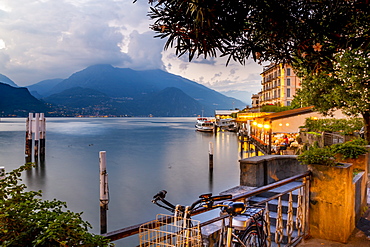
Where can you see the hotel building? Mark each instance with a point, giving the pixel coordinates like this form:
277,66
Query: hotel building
279,85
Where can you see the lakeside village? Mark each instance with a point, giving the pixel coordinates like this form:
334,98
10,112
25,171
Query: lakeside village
275,132
307,171
306,174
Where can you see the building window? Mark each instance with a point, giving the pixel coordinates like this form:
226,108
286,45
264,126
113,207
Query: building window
288,92
288,103
288,71
288,82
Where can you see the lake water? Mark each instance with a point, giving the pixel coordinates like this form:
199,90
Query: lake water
144,156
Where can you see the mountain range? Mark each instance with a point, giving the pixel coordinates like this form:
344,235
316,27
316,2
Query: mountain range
106,90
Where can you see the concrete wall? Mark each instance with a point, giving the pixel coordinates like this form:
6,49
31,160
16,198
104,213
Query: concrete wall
337,197
258,171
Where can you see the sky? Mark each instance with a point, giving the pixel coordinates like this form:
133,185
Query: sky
47,39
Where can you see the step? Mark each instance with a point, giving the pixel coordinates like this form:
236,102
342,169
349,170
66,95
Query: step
273,204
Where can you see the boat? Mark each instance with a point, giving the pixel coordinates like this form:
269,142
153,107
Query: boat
204,124
228,124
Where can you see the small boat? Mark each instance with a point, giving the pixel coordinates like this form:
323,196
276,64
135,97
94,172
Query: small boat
228,124
204,124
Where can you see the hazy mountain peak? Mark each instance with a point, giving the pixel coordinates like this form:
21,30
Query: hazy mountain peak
4,79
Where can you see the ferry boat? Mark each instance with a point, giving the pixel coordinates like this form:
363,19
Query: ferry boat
204,124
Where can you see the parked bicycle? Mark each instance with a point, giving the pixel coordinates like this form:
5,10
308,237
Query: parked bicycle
241,225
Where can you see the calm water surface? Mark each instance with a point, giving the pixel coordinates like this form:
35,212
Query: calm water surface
144,156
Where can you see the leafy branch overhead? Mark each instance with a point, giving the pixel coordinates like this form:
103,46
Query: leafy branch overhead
264,30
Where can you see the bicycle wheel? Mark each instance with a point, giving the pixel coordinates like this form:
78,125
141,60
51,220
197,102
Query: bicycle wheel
251,237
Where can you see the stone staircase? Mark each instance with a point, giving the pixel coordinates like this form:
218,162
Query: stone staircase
273,208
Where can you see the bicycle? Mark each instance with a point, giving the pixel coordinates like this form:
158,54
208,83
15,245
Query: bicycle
245,224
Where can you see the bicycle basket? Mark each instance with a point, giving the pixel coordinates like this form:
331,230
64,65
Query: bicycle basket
167,230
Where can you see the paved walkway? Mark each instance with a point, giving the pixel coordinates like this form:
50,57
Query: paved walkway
359,238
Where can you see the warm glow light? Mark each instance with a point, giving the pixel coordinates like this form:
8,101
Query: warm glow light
314,118
254,123
259,125
287,124
266,126
280,124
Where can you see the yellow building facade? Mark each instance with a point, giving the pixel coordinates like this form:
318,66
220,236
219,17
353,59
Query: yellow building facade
279,85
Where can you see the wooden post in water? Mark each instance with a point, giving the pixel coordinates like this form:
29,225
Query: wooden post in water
42,134
2,172
104,193
210,151
35,125
37,135
241,143
28,151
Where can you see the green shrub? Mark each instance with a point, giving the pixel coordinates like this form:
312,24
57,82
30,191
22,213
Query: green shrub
342,126
26,220
351,149
275,108
316,155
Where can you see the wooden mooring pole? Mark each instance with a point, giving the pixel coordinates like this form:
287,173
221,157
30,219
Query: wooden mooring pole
2,172
210,152
36,125
42,134
104,192
28,151
37,135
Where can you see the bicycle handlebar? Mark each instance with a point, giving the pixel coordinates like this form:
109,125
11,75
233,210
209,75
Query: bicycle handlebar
206,199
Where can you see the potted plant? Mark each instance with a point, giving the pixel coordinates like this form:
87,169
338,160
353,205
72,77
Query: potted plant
331,191
353,152
316,155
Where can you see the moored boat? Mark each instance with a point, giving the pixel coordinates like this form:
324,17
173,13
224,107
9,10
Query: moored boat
228,124
204,124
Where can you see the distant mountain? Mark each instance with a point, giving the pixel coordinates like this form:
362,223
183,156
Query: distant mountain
42,88
243,96
132,90
17,101
6,80
78,97
170,102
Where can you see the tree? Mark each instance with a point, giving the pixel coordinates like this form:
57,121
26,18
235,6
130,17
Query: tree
26,220
344,87
279,31
318,36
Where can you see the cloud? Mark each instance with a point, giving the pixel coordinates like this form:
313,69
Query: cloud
48,39
144,51
44,39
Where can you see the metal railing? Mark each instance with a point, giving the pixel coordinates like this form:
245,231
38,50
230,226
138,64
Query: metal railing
295,224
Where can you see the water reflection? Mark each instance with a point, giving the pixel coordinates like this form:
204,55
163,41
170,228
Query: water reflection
37,174
144,156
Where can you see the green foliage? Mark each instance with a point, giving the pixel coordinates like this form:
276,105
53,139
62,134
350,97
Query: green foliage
26,220
275,108
325,156
351,149
345,86
257,29
342,126
314,133
315,155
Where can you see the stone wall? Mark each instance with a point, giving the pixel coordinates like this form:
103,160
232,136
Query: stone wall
258,171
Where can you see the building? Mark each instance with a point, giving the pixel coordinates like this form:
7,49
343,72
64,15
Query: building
279,85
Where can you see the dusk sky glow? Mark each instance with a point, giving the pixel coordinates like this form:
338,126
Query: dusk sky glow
46,39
